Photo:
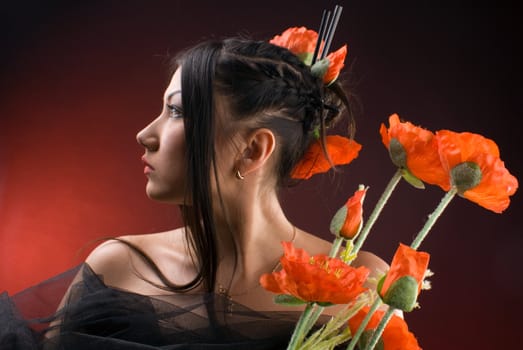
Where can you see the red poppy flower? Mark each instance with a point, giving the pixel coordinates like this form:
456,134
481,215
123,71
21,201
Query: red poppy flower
396,335
494,184
403,281
302,42
336,64
348,219
415,149
341,151
315,279
298,40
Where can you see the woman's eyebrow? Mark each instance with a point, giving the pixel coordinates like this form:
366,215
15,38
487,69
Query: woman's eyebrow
170,95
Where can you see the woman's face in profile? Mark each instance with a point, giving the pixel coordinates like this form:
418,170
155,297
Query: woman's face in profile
164,142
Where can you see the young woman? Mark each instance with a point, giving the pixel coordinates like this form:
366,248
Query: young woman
237,117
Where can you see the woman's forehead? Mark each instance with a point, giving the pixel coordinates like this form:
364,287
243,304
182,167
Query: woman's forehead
174,88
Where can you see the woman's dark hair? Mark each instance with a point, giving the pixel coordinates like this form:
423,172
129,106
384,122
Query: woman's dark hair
263,85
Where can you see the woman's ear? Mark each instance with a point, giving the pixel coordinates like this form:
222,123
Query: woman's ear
257,150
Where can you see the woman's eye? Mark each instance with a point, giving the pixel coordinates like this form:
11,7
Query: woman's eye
174,111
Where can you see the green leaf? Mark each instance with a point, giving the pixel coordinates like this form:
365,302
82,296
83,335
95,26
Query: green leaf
316,133
411,179
380,284
306,57
288,300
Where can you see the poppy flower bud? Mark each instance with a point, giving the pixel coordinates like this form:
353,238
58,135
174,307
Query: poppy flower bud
348,219
402,294
402,283
465,176
397,153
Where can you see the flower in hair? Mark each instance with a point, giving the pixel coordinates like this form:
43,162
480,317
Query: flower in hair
341,150
302,42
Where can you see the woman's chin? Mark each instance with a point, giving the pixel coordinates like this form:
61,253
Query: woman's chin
163,196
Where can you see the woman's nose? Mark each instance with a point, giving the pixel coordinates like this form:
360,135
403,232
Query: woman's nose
147,138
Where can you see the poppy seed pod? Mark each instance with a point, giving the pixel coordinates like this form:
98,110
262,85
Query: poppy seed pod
465,176
402,294
402,283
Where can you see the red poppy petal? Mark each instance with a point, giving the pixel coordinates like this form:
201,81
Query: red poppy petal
318,278
495,187
298,40
396,335
336,63
354,216
270,283
341,151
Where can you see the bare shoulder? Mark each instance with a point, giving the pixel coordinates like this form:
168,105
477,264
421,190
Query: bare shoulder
374,263
119,263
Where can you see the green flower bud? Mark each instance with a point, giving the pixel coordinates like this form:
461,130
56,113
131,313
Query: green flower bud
397,153
465,176
399,158
338,220
402,294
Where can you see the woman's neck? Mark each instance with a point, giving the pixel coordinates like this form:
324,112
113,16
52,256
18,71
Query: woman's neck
249,237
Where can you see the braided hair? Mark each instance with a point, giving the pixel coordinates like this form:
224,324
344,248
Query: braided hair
263,86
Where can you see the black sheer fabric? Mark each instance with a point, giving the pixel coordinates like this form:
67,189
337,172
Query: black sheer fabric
96,316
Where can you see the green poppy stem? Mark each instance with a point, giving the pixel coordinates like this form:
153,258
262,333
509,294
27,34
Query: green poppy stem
300,331
377,210
312,317
336,247
379,330
433,217
363,324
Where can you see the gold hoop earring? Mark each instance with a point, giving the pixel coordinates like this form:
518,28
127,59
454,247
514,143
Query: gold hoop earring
239,175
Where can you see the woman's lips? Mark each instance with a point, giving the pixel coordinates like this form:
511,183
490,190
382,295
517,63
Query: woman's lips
148,168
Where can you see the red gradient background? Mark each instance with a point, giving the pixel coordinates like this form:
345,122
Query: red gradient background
80,79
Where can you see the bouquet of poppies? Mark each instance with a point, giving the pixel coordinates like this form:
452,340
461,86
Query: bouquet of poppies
460,163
